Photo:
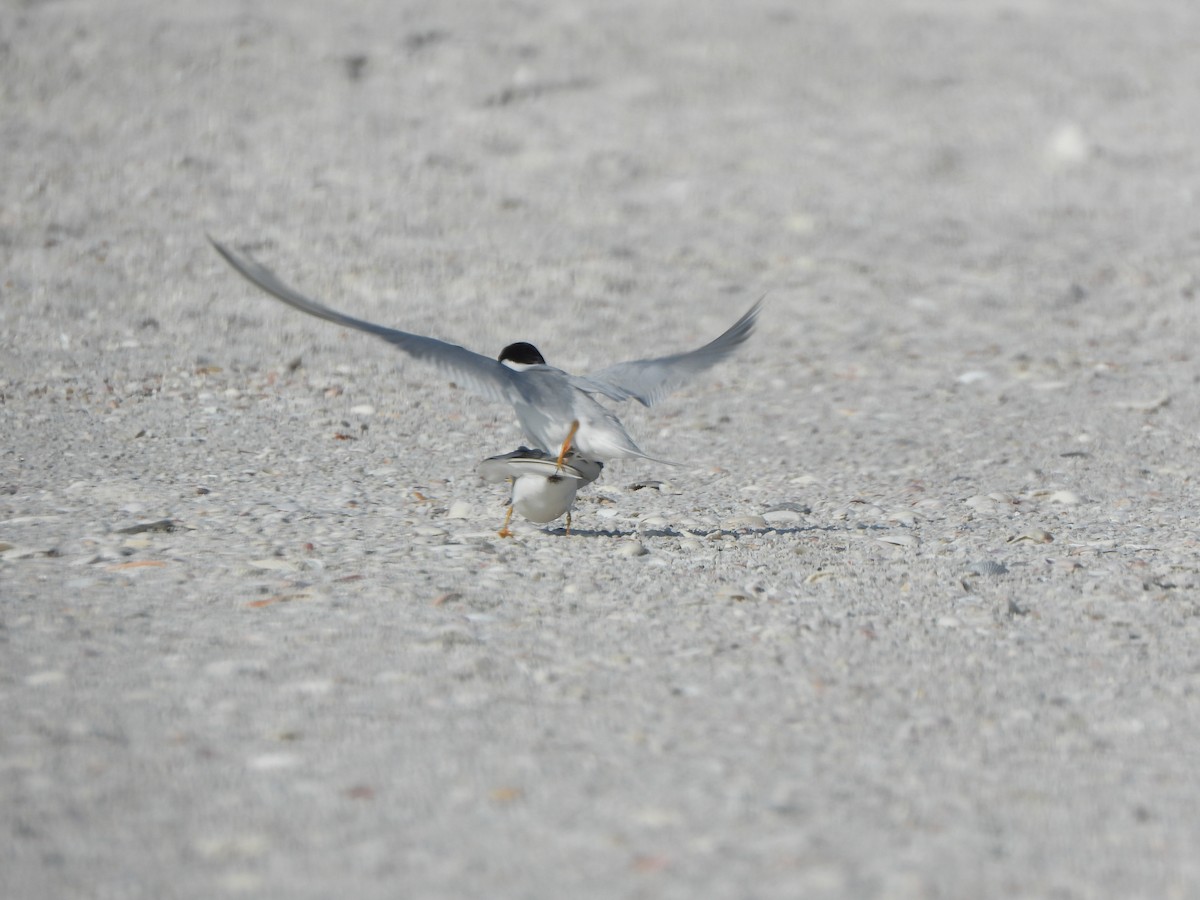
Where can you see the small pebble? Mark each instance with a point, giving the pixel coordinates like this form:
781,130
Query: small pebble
632,548
459,509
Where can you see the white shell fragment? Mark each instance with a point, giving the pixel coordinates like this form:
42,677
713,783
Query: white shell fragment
973,376
429,531
987,567
785,514
736,523
1152,405
1068,145
900,540
988,503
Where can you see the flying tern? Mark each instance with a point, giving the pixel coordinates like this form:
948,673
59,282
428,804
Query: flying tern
557,411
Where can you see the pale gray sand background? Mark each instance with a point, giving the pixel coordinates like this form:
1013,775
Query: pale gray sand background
978,228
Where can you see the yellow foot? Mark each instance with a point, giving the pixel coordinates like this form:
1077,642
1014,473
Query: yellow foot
504,532
562,454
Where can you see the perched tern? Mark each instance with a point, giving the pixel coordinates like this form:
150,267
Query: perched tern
541,490
556,410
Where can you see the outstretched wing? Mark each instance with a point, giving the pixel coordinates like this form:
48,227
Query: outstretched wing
480,374
523,461
649,380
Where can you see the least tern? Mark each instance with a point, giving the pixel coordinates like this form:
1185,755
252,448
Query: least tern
541,489
556,410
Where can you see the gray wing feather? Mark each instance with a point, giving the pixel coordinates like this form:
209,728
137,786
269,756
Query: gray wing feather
480,374
649,380
524,461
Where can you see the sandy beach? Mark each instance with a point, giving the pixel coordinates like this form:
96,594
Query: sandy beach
917,617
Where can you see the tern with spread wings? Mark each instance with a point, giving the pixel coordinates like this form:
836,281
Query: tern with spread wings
557,411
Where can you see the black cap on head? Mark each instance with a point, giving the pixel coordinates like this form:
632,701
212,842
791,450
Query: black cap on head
522,353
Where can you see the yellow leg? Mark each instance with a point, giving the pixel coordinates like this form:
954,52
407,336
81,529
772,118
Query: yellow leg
504,532
562,454
568,531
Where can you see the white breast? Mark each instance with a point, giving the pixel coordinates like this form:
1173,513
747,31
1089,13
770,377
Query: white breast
541,498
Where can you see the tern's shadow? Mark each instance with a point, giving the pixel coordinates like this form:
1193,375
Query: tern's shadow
675,533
